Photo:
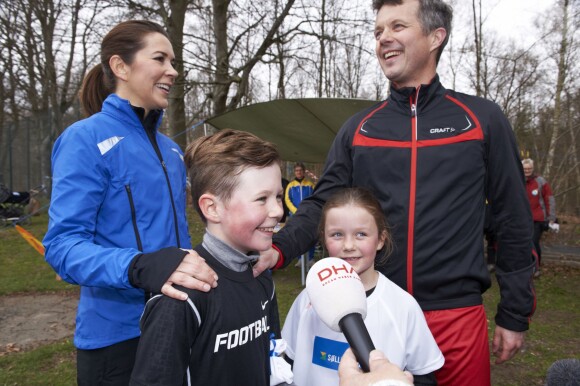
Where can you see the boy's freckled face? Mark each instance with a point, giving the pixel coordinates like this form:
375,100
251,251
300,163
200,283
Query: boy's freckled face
248,218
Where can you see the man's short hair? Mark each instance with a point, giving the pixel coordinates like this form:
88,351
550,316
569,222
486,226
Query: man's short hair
215,162
299,165
432,14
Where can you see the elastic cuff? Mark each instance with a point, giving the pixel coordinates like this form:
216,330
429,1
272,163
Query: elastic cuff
517,298
280,262
150,271
511,322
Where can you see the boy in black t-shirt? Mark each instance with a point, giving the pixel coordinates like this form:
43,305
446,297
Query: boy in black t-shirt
220,337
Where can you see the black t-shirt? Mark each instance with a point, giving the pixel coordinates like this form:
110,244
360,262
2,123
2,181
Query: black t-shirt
221,337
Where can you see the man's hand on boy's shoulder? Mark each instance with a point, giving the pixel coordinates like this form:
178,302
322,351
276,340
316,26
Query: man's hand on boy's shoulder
193,273
268,259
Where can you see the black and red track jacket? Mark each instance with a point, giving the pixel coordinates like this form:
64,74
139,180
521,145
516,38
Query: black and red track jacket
432,156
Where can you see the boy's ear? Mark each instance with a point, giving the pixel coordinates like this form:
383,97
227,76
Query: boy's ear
208,205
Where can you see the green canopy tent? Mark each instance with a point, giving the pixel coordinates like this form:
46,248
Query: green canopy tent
303,129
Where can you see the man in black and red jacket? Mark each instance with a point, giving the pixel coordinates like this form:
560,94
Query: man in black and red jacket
432,157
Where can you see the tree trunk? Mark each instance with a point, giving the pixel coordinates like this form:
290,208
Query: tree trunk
574,162
562,72
176,108
280,88
322,42
477,36
222,63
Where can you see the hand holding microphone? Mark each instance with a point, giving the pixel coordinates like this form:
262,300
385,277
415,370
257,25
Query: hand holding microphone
338,297
382,373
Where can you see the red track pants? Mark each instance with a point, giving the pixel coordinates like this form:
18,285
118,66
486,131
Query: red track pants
461,334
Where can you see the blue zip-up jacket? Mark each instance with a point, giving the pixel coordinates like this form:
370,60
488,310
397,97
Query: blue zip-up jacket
113,198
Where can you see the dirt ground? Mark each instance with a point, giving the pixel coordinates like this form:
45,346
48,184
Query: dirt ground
31,320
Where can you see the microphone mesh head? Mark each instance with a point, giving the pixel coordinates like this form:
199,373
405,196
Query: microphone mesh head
564,372
335,290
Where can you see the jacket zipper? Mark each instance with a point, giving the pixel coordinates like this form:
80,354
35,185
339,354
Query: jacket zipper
134,217
172,201
412,192
153,141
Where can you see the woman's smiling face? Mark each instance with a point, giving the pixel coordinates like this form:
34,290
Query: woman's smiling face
146,82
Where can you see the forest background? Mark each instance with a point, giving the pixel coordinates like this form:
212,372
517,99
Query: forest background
232,53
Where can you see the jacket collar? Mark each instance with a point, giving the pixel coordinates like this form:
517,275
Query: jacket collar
426,95
149,122
121,108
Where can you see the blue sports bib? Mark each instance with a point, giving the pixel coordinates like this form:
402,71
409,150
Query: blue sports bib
327,353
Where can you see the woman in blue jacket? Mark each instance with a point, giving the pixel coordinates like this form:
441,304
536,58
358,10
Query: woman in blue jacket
117,220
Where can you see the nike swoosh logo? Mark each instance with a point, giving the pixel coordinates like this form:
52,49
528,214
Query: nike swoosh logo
264,305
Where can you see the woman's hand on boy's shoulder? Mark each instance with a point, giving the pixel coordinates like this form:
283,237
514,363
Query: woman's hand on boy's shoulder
192,273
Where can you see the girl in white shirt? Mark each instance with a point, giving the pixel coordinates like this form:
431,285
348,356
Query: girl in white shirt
353,228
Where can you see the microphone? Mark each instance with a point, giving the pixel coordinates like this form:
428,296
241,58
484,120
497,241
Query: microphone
338,297
563,372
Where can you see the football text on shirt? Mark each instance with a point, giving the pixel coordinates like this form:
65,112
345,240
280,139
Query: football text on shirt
243,335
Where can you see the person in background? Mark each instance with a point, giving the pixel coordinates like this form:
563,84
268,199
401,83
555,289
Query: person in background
117,223
542,204
353,228
297,190
222,337
432,156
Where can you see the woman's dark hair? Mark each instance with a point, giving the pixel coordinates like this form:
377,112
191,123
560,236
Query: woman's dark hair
125,40
365,199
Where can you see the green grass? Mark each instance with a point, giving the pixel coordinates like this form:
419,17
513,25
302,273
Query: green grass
553,333
52,364
23,268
